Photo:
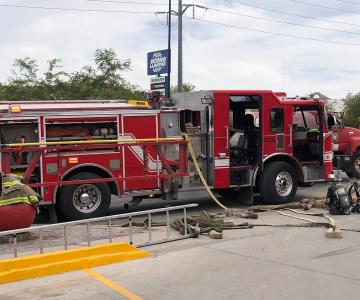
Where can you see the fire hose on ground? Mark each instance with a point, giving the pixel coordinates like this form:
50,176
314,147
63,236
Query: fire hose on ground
333,231
209,224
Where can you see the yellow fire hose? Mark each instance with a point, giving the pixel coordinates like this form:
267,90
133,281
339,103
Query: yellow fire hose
333,231
198,170
193,157
89,142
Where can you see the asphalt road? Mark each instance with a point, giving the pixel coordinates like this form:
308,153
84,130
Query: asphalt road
206,203
265,263
260,263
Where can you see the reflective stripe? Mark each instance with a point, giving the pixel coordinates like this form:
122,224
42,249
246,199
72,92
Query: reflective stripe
328,156
10,202
33,198
29,200
11,183
15,200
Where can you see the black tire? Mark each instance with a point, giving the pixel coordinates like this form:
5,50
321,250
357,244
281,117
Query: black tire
96,201
354,166
349,174
269,179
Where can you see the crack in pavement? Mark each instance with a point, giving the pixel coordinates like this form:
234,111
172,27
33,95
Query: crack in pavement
338,252
285,264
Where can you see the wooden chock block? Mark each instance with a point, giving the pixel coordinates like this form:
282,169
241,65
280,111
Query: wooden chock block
333,233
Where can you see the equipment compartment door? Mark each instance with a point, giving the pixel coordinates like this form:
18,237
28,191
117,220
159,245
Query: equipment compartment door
140,127
221,141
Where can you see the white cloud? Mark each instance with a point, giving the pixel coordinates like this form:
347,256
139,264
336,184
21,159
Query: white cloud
214,56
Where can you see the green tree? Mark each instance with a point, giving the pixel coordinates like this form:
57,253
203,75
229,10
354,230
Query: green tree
352,110
23,81
53,85
103,80
187,87
25,71
109,67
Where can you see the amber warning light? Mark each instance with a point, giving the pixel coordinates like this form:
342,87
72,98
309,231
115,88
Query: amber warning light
73,160
15,108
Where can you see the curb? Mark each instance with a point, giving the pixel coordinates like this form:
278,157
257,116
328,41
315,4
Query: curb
52,263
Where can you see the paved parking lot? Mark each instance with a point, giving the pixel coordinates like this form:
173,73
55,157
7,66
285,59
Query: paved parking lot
257,263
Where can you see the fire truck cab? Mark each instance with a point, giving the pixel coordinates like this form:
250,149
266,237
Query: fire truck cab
257,139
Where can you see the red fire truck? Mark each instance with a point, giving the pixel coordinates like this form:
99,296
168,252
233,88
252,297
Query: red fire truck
346,145
78,153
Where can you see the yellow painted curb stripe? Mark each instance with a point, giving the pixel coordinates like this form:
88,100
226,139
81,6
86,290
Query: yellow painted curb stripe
123,291
51,263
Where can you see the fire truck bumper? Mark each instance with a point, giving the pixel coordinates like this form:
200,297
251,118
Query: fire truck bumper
336,175
341,162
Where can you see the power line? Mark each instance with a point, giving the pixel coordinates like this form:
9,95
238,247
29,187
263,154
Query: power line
128,2
282,22
292,14
274,33
199,20
76,9
327,7
350,2
161,23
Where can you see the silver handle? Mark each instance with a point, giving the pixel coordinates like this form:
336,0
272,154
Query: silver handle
227,137
291,136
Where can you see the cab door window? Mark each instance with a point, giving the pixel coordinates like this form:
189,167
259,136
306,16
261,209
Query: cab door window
277,120
307,134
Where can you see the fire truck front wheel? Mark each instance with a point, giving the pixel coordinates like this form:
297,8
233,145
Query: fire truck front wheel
83,201
354,166
278,183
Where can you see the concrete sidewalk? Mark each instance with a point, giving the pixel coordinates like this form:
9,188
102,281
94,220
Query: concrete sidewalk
259,263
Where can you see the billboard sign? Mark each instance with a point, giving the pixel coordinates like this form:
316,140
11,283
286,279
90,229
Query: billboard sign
158,83
158,62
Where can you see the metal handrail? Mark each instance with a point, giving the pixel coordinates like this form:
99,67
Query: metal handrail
65,226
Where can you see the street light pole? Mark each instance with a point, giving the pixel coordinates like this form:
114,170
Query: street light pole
180,49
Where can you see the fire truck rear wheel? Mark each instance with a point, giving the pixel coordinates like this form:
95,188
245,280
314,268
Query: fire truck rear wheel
278,183
354,166
83,201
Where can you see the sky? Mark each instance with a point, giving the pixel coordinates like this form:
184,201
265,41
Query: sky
245,52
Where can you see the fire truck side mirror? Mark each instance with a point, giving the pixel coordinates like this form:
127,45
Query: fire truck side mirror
331,121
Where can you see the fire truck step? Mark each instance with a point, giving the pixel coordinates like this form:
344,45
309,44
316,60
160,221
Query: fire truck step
141,192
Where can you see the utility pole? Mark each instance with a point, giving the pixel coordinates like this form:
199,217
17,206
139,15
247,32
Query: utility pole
180,49
182,8
181,11
167,91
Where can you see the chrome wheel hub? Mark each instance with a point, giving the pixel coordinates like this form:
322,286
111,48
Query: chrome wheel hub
86,198
283,183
